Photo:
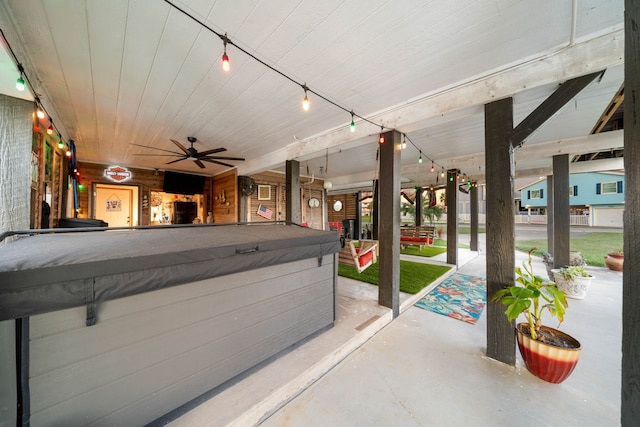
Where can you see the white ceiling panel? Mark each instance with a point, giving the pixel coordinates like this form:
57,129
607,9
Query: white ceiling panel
113,73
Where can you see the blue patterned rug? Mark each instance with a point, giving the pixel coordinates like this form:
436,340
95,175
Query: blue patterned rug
459,296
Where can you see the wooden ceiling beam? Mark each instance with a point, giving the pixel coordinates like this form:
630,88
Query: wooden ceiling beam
550,106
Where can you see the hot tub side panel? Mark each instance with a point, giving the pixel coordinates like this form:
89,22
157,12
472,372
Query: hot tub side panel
151,353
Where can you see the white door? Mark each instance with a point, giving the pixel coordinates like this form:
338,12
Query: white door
114,205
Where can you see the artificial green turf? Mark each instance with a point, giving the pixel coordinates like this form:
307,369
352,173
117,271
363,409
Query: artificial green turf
593,247
427,251
414,276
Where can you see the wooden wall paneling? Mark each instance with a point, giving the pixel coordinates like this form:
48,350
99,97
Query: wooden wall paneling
225,197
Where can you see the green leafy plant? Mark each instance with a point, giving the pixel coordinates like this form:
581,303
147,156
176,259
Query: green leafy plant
532,296
573,271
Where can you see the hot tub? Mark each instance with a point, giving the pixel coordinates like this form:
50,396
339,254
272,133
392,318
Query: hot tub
121,327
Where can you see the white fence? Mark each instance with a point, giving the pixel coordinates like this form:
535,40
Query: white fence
530,219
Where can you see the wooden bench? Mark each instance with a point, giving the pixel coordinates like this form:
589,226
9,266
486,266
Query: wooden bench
417,235
362,257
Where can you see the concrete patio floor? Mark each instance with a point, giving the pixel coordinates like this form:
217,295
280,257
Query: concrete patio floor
424,369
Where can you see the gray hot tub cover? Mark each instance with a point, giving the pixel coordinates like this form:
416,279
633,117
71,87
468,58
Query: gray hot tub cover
49,272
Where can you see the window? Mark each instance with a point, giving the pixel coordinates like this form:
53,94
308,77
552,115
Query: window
573,190
609,187
535,194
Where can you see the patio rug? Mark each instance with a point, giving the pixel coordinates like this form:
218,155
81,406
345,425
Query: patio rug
459,296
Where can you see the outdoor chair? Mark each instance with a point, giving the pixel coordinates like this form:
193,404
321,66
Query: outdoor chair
361,257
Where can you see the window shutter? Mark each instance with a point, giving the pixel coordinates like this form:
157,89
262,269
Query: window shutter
619,186
575,190
528,194
598,188
541,193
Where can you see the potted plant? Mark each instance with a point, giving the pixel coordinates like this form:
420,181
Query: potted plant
548,353
575,258
615,260
573,280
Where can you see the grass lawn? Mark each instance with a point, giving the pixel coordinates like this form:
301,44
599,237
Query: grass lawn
414,276
593,247
427,251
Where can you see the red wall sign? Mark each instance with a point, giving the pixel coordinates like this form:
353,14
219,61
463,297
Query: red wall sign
117,174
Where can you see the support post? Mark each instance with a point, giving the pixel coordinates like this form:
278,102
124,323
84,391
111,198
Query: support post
473,201
550,214
452,216
375,211
419,204
630,411
358,233
561,223
292,187
389,232
499,160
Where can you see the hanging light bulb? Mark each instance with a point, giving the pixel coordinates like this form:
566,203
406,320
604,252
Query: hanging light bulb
442,173
420,158
60,144
305,101
40,113
20,83
353,124
432,167
381,138
50,128
404,141
225,59
68,153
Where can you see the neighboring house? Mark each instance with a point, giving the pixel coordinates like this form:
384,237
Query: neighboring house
600,195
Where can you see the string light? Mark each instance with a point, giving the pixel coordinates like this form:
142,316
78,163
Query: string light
381,139
353,124
40,113
225,59
305,101
50,128
20,83
432,167
442,173
60,144
404,141
420,158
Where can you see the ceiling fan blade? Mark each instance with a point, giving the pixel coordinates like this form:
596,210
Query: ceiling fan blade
180,146
215,150
179,160
222,158
220,163
154,148
199,163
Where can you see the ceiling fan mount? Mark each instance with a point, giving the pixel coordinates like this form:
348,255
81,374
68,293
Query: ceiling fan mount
192,154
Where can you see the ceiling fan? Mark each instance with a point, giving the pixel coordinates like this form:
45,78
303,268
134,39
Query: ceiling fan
192,154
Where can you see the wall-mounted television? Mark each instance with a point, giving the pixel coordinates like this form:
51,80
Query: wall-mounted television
183,183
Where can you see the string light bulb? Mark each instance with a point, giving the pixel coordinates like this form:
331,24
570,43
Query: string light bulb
225,59
20,83
432,167
381,138
40,113
353,124
60,144
442,173
420,158
50,128
305,101
68,153
404,141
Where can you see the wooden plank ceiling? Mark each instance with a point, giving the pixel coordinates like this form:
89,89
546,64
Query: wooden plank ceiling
116,73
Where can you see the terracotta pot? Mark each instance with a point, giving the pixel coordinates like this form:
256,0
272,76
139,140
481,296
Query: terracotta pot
548,362
614,261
